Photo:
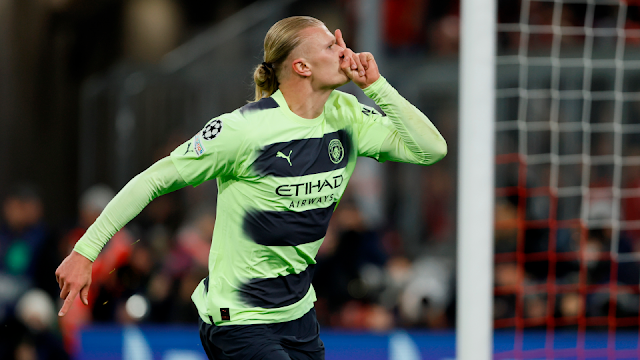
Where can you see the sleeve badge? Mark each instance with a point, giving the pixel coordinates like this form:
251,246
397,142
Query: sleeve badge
197,145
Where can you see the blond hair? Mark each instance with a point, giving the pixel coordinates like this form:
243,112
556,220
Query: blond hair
281,39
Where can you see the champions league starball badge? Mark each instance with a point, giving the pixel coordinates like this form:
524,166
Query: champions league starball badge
212,129
336,151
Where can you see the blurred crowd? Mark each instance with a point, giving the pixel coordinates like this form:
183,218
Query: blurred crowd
370,275
573,14
146,273
553,218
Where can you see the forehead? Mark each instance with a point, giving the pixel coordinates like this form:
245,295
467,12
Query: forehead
317,35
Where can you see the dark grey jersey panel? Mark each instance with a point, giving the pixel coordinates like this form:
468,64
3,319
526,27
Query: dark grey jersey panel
277,292
305,156
287,228
262,104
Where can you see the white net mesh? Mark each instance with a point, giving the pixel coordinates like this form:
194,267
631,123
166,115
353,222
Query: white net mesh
568,170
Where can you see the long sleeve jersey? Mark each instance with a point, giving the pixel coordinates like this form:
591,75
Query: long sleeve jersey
279,179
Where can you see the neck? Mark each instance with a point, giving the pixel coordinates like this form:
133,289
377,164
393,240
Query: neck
303,100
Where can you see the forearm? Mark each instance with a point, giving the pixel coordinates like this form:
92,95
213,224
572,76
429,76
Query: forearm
161,178
416,139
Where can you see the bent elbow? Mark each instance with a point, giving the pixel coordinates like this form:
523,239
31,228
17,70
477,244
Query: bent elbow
442,150
437,153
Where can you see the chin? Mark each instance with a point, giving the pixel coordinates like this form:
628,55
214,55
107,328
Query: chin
345,80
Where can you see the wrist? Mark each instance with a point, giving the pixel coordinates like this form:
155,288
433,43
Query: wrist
78,253
375,87
366,85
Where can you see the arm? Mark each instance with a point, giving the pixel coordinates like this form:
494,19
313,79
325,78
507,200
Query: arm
74,273
413,138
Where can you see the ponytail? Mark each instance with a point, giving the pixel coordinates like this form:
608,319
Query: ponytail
266,81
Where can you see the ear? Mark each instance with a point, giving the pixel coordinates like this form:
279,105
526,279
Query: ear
301,67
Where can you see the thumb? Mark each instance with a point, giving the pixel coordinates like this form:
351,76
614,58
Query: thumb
84,295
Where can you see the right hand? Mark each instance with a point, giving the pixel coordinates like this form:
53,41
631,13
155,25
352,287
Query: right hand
361,68
74,277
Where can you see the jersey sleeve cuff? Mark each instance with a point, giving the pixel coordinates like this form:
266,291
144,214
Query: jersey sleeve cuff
374,89
86,250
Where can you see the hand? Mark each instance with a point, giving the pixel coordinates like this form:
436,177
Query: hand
74,277
361,68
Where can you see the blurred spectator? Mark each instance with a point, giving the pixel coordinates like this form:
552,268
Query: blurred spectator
188,260
25,246
158,224
30,334
194,239
444,36
570,305
506,279
415,25
535,306
506,225
404,22
428,293
349,272
437,193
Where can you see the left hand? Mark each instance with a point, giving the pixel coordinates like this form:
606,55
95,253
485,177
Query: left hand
74,278
361,68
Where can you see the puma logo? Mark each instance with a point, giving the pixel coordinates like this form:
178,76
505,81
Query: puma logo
281,155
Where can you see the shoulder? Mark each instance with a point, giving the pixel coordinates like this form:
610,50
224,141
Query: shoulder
347,103
342,101
224,130
343,108
214,127
241,122
259,106
251,116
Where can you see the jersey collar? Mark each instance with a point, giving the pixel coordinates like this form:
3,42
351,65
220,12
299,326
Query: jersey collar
279,98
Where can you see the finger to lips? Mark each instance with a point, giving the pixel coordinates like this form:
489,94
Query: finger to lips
339,39
364,59
348,54
358,63
344,63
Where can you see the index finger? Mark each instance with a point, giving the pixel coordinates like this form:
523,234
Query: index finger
340,40
68,301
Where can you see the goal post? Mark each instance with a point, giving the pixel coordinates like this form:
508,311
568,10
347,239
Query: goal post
474,320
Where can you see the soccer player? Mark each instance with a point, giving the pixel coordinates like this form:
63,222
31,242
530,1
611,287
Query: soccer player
282,164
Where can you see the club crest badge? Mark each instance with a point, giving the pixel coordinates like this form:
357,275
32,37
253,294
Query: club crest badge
197,146
336,151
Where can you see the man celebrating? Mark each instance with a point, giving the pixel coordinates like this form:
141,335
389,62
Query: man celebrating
282,164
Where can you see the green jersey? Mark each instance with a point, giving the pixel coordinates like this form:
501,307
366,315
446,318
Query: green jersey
279,178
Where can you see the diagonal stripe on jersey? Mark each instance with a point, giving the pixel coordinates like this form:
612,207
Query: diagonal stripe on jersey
287,228
308,156
262,104
277,292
